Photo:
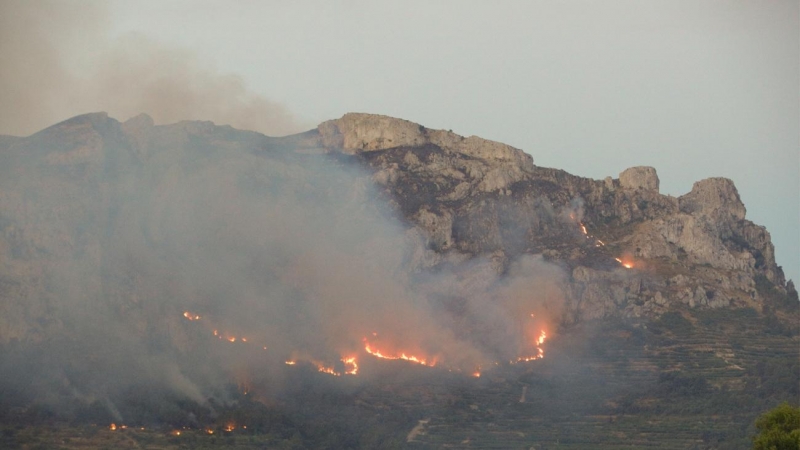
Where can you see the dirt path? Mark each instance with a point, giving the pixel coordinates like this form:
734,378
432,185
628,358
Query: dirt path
417,430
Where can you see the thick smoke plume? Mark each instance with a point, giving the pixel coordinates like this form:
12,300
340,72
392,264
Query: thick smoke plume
272,256
58,60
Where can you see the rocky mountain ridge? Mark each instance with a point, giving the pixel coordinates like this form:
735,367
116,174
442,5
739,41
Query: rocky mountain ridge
462,199
473,196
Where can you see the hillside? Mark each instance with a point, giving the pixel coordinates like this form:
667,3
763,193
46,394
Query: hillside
189,276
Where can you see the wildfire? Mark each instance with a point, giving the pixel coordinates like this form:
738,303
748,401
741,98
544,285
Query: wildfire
626,265
540,351
230,427
209,431
377,353
231,339
112,427
328,370
583,228
175,432
190,316
350,366
291,363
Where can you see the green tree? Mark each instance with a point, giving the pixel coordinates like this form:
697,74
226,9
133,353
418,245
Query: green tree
779,429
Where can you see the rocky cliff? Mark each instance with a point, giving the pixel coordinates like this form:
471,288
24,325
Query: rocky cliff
68,196
476,197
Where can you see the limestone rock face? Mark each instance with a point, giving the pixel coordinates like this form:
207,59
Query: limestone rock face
472,197
641,177
714,197
357,132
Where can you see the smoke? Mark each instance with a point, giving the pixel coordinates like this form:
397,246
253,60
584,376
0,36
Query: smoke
295,254
59,60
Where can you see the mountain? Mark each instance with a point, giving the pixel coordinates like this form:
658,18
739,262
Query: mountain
159,275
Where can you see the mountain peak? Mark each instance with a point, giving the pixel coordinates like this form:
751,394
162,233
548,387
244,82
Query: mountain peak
356,133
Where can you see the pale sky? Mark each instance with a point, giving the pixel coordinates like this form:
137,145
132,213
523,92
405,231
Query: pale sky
694,88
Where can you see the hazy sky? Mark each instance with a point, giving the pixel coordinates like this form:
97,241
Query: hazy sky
694,88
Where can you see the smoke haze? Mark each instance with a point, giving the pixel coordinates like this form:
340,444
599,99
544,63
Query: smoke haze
58,60
273,256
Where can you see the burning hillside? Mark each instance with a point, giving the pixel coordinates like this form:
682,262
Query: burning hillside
158,265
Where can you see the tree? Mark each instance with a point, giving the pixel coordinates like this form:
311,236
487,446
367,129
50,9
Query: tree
779,429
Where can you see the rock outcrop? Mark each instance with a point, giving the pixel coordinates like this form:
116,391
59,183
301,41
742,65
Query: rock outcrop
474,197
639,178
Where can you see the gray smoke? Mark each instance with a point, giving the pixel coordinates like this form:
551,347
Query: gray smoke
297,254
58,60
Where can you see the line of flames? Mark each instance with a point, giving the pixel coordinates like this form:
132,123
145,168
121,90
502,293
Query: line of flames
351,362
599,243
378,354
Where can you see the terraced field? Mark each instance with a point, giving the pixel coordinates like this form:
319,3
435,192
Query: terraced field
688,381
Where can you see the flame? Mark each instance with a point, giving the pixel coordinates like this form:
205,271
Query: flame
350,366
583,228
291,362
231,339
190,316
626,265
403,356
112,427
230,427
244,339
209,431
542,336
328,370
539,350
175,432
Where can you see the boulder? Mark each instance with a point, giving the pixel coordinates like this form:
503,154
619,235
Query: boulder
641,177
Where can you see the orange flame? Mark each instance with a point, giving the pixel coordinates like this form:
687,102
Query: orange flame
350,366
112,427
209,431
328,370
540,351
626,265
291,363
403,356
190,316
230,427
542,337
